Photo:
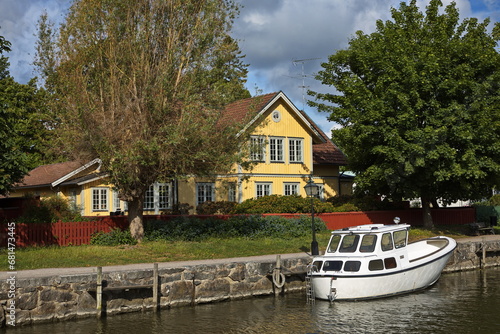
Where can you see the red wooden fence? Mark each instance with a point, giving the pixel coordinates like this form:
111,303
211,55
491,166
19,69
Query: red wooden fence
79,233
60,233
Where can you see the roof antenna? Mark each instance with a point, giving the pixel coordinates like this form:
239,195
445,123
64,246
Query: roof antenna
303,76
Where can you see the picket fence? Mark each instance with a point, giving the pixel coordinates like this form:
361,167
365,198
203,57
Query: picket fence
80,233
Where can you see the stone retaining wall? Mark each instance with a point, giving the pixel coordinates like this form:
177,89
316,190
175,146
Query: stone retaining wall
474,254
65,297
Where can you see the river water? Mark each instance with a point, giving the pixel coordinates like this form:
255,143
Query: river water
466,302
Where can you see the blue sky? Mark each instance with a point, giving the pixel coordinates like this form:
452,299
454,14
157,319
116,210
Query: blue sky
272,34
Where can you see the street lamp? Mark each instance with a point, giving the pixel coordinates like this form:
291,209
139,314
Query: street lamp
312,190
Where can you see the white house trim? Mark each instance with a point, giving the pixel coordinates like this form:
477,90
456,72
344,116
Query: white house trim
75,172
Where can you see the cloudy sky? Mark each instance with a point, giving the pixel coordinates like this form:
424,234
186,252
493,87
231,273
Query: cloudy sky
285,41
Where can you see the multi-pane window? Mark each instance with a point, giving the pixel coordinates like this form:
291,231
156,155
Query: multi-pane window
163,196
295,150
99,199
276,149
291,189
263,189
157,197
116,201
149,199
231,192
204,192
257,148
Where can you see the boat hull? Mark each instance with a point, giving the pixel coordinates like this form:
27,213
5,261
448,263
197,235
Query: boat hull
355,287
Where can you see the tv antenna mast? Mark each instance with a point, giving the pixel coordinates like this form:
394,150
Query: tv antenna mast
303,76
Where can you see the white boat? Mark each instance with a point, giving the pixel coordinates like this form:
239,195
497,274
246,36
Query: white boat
373,261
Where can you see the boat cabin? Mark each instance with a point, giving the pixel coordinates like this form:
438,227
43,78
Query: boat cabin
349,247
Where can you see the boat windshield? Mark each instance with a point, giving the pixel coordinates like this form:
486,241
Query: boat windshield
368,243
349,243
400,238
334,243
387,242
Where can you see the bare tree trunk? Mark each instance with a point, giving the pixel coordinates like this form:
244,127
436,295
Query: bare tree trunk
135,215
426,211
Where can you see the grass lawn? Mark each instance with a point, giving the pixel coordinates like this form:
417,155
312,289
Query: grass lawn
162,251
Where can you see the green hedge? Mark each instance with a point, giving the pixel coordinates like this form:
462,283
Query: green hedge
281,204
251,226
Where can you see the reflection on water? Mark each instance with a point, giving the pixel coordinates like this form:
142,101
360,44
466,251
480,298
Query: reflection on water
465,302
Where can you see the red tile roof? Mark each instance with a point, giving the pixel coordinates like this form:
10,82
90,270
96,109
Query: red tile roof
241,110
327,152
46,174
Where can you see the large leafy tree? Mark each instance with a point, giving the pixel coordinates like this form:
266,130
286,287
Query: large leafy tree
141,84
22,132
418,104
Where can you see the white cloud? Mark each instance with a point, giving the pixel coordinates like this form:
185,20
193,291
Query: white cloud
273,33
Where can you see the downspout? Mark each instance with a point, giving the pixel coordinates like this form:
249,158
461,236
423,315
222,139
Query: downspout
175,185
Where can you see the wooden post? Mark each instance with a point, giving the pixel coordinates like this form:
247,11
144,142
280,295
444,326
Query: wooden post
483,264
99,292
155,287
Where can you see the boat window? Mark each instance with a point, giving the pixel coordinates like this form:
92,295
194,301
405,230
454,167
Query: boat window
334,243
317,265
349,243
352,265
368,243
386,242
390,263
332,265
400,238
376,265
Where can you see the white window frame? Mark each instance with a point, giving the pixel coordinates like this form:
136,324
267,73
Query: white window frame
205,191
149,199
291,188
276,149
231,192
258,148
158,197
164,194
116,201
100,199
296,152
263,189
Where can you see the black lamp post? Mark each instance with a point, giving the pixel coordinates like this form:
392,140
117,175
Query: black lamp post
312,190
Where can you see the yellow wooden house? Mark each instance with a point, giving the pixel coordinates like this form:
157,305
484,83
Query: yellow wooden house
286,145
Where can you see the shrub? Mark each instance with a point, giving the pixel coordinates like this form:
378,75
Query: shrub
251,226
281,204
178,209
215,208
50,210
113,238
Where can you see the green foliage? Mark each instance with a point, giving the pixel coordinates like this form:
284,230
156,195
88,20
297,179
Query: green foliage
495,200
215,208
251,226
21,126
281,204
114,238
418,104
178,209
50,210
346,203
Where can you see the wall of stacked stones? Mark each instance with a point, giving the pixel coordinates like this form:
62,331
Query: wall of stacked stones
64,297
